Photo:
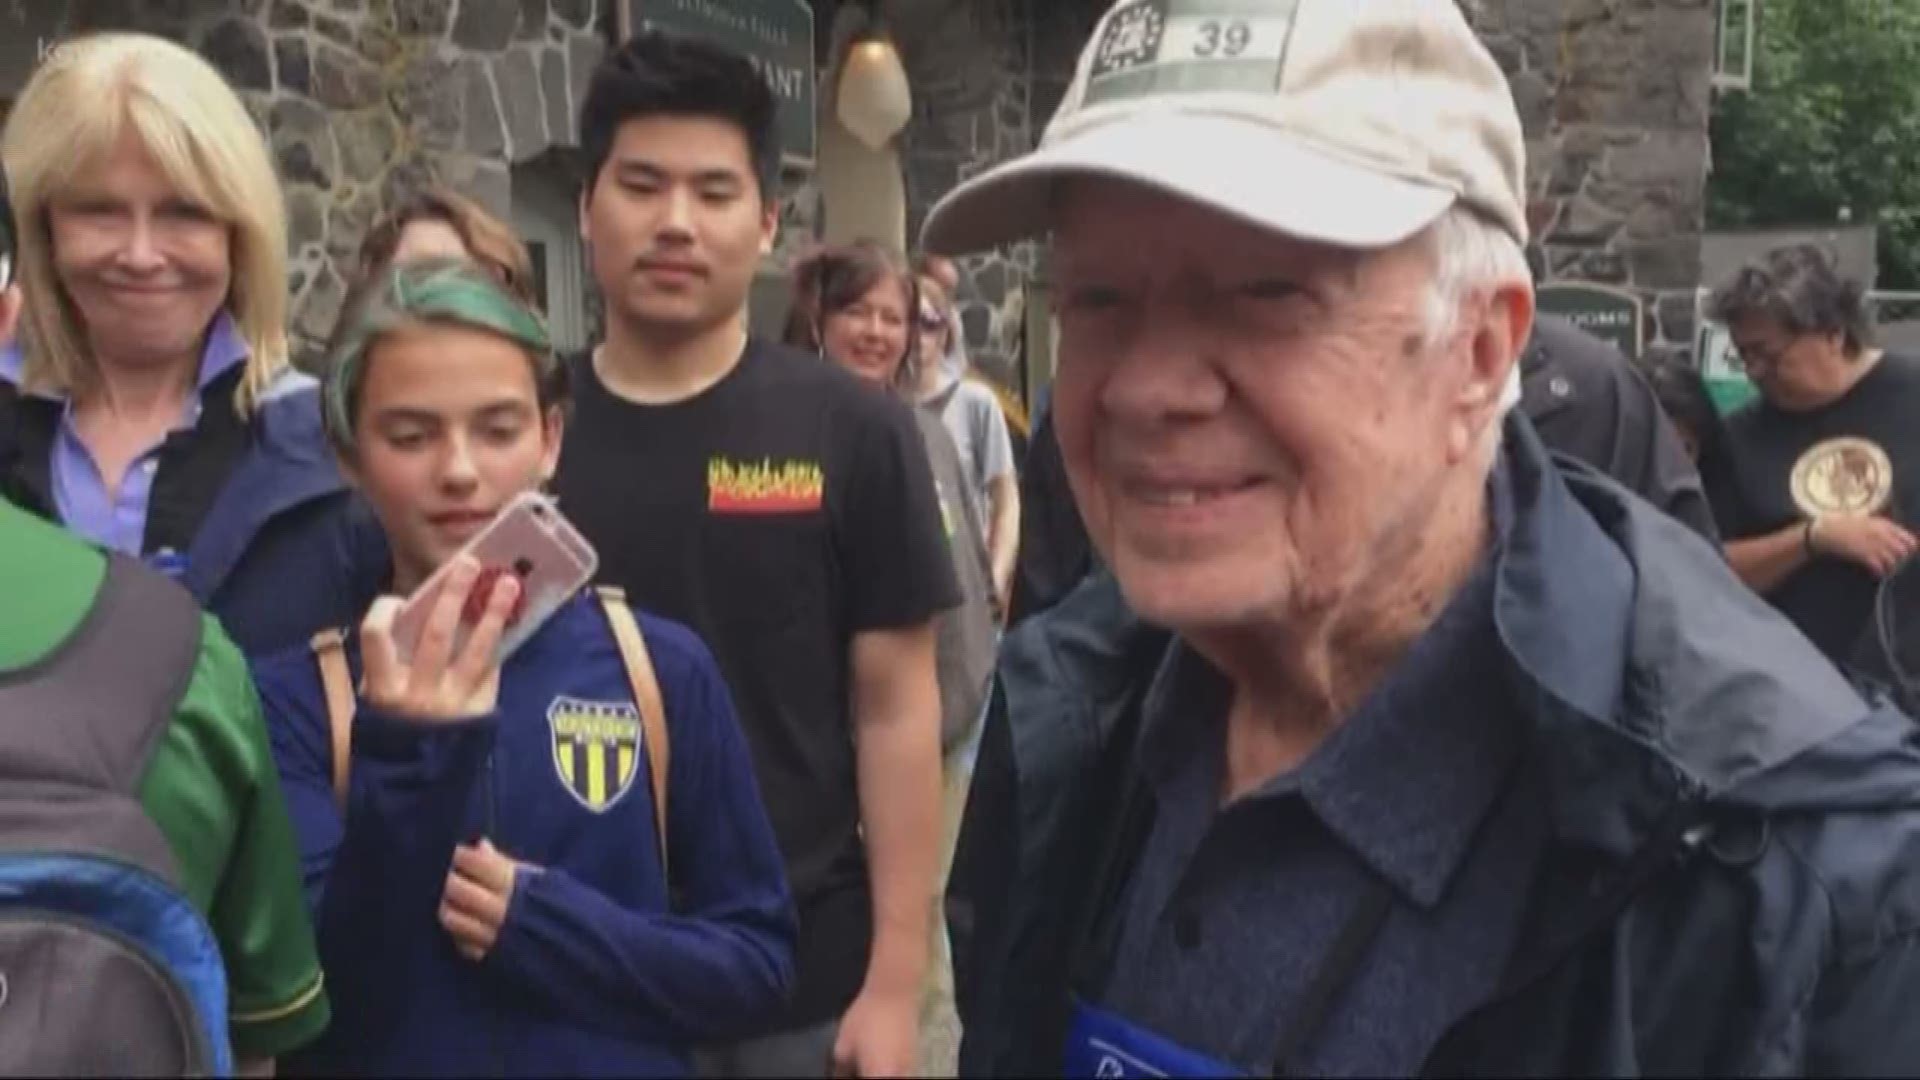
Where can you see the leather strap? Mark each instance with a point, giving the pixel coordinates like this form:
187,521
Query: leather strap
646,698
330,651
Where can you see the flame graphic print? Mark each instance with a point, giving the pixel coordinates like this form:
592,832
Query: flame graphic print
764,487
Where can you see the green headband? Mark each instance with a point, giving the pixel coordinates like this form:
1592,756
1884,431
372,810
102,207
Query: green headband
441,292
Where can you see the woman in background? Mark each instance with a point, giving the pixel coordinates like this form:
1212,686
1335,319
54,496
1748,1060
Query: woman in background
440,223
855,305
976,422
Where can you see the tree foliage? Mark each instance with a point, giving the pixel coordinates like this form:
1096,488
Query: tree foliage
1832,121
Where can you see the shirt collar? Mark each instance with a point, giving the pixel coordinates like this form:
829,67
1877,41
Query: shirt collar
224,350
1404,782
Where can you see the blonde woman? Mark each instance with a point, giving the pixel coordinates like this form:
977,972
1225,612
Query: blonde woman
149,399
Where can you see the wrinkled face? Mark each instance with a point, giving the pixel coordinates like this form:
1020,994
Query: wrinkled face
1792,370
146,267
449,430
869,336
429,238
677,224
1254,427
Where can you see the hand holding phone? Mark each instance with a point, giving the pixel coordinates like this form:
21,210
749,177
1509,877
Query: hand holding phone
435,679
528,540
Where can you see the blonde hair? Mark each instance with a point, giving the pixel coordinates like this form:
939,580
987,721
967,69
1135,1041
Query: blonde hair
71,115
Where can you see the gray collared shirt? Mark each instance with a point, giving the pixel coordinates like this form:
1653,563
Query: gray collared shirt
1230,910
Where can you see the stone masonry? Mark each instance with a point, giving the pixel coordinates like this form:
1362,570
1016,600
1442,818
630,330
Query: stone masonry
1614,96
971,67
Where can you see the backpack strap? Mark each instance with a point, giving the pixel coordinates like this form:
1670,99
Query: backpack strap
646,697
336,682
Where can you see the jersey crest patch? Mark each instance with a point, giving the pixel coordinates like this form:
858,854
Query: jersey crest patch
596,749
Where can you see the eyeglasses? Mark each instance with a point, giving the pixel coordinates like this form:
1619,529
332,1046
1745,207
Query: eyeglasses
1755,359
932,323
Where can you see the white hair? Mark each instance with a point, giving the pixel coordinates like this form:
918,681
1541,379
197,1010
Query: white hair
1471,252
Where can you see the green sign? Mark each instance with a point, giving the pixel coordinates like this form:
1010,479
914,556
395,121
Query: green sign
1726,383
1610,314
777,35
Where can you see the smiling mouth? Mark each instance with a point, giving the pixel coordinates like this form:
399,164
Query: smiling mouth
1185,496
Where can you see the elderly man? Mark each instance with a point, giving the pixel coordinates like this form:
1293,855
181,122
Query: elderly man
1457,761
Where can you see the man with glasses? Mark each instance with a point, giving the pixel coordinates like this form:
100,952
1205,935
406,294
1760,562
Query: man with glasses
1819,495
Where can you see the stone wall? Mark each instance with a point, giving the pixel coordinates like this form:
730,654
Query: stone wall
971,66
370,98
1614,95
361,99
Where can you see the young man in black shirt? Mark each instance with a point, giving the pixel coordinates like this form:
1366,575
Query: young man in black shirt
1820,493
787,513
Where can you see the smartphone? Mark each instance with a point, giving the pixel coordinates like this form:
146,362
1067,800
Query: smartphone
528,539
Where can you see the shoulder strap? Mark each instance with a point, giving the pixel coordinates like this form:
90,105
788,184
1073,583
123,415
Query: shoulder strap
336,681
646,697
103,699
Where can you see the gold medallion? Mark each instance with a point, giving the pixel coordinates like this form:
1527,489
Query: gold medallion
1845,477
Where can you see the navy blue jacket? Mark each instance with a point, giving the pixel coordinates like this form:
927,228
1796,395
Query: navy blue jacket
1728,887
284,550
596,971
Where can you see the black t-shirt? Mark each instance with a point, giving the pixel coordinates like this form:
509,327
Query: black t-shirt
779,513
1860,454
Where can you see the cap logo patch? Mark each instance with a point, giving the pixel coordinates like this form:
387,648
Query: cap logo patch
1191,46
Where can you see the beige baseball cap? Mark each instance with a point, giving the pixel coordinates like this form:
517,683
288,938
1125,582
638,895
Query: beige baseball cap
1349,122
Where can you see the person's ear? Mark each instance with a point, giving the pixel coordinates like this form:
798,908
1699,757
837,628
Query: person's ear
349,468
10,305
769,226
553,430
1501,324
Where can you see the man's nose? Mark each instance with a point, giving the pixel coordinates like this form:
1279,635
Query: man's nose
1165,368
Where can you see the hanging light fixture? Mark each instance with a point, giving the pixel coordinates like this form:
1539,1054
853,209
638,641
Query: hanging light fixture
873,99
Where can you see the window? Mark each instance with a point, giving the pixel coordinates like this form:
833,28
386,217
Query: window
545,215
1733,44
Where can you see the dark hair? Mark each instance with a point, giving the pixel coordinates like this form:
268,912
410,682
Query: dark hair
1798,287
663,74
492,243
1683,395
835,278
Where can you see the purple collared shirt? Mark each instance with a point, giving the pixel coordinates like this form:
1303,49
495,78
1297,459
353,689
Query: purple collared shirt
118,519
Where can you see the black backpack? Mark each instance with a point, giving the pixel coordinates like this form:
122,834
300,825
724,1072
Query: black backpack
106,969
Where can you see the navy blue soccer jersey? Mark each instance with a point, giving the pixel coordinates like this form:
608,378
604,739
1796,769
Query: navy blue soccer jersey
600,968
